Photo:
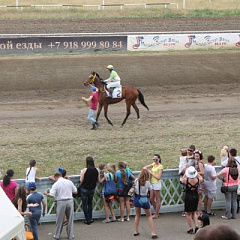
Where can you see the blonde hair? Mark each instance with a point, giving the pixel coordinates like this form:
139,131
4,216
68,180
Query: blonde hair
111,168
224,151
143,177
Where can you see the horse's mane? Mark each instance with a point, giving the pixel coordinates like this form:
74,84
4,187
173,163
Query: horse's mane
96,74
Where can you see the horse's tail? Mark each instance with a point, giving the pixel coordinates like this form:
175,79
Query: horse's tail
141,99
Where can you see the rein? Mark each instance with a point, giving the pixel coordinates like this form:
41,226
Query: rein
101,89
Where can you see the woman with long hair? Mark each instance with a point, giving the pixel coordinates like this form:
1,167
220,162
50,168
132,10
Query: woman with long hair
231,177
20,201
123,177
199,166
156,174
109,176
31,172
89,177
142,186
9,186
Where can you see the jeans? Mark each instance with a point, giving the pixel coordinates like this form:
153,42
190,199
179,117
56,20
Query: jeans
231,201
34,223
87,197
90,116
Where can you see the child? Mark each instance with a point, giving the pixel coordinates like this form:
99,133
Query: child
203,221
102,173
31,173
182,163
61,171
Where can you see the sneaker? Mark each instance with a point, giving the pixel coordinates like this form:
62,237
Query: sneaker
121,219
113,219
106,221
224,217
127,219
183,214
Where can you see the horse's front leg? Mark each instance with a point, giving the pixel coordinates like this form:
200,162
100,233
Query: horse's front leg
128,104
105,113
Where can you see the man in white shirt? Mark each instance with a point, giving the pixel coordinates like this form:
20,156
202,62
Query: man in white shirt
232,153
62,190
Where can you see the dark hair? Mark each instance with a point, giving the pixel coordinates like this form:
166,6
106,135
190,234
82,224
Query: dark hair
205,219
211,158
64,173
32,163
192,147
90,162
57,175
158,156
233,152
232,163
21,193
200,154
7,177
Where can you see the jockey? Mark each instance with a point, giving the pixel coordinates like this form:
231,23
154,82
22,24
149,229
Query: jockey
113,81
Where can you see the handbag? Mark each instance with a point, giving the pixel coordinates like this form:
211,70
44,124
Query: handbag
131,192
143,200
110,187
126,189
224,189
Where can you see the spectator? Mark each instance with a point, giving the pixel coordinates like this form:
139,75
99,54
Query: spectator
109,176
217,232
89,178
203,221
199,166
230,179
224,154
62,190
63,172
20,201
190,157
9,186
123,176
31,173
156,174
141,190
34,200
232,153
210,187
182,163
102,173
192,179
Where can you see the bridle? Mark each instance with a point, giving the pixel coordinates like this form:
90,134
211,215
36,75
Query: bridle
93,76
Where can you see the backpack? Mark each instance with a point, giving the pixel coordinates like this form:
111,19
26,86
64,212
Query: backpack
110,187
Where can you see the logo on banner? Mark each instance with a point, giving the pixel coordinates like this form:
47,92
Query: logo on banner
153,42
207,40
238,43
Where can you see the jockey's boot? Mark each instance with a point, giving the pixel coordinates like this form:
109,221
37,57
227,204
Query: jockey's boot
97,125
110,93
93,127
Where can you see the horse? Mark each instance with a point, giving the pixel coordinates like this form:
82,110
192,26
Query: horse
129,93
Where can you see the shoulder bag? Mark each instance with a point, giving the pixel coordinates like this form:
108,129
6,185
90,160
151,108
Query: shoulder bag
224,189
143,200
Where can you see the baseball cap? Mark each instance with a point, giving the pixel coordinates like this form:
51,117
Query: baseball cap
32,186
94,88
60,170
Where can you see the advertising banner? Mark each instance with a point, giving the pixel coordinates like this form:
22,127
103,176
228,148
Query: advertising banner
165,42
23,45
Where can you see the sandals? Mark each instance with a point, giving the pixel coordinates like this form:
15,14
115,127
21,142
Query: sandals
65,223
136,234
190,231
154,236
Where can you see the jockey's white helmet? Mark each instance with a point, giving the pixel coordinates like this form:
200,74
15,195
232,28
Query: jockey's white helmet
109,67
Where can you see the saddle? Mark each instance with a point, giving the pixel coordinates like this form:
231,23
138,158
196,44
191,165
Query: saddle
117,91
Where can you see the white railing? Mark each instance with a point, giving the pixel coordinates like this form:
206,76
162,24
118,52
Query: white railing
99,6
172,197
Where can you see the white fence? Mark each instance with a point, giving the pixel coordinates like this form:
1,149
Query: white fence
172,196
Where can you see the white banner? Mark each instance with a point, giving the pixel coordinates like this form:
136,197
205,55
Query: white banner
165,42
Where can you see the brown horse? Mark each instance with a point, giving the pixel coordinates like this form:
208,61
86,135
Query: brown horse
129,93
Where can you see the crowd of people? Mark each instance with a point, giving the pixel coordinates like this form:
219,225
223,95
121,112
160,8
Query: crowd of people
198,179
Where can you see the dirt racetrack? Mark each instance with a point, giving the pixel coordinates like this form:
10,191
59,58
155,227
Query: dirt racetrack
37,90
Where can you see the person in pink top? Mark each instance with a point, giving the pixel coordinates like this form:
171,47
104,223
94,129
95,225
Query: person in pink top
93,108
231,177
9,186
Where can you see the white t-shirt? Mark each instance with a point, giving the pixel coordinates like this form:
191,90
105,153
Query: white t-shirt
182,163
143,189
209,172
224,163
